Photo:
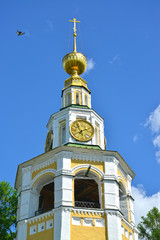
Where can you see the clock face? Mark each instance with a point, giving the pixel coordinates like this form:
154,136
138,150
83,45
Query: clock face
49,140
82,130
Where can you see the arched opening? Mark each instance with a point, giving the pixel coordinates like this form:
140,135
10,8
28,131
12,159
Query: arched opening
63,133
87,190
123,201
86,100
68,99
46,198
77,98
96,135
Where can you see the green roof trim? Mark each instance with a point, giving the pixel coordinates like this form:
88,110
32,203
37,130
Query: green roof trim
76,105
83,146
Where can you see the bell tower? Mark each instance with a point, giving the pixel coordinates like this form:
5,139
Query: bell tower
76,189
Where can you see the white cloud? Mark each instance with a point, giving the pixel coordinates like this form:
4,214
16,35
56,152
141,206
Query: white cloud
90,65
153,120
114,59
158,156
144,203
156,141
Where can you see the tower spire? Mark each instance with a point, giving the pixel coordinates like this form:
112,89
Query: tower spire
74,33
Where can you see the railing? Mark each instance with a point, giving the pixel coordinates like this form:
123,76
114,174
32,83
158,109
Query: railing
87,204
43,210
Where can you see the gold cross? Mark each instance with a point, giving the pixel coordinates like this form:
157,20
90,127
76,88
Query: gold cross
74,21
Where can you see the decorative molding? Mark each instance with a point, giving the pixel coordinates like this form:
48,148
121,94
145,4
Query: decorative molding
113,212
63,172
89,212
49,224
76,221
127,224
129,178
23,221
120,178
33,230
122,171
82,166
99,222
50,170
88,222
41,226
115,161
44,164
26,169
110,177
41,217
86,157
63,154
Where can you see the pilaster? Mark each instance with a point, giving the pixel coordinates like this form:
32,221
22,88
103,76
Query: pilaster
114,225
111,187
21,230
62,221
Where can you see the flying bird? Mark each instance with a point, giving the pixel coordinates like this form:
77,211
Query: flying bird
20,33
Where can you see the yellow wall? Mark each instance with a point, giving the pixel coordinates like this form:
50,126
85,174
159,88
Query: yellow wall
53,165
99,165
128,229
86,232
44,235
121,175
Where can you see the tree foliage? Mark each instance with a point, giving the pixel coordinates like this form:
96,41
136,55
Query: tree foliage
149,227
8,209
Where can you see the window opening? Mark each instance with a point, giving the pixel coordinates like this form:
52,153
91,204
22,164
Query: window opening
46,199
86,193
86,100
123,201
63,134
77,98
68,99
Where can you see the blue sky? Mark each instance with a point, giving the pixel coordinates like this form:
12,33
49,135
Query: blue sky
120,39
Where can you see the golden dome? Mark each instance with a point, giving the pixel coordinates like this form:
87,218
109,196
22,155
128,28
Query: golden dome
74,63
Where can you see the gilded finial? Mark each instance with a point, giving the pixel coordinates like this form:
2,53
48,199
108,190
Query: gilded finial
74,33
74,63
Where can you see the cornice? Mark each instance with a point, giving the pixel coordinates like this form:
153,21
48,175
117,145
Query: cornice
113,212
44,164
41,217
87,157
88,211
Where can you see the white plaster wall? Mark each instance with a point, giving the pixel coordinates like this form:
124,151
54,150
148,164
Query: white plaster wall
114,226
63,161
62,224
22,230
69,115
34,202
26,177
63,191
110,165
111,195
136,235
